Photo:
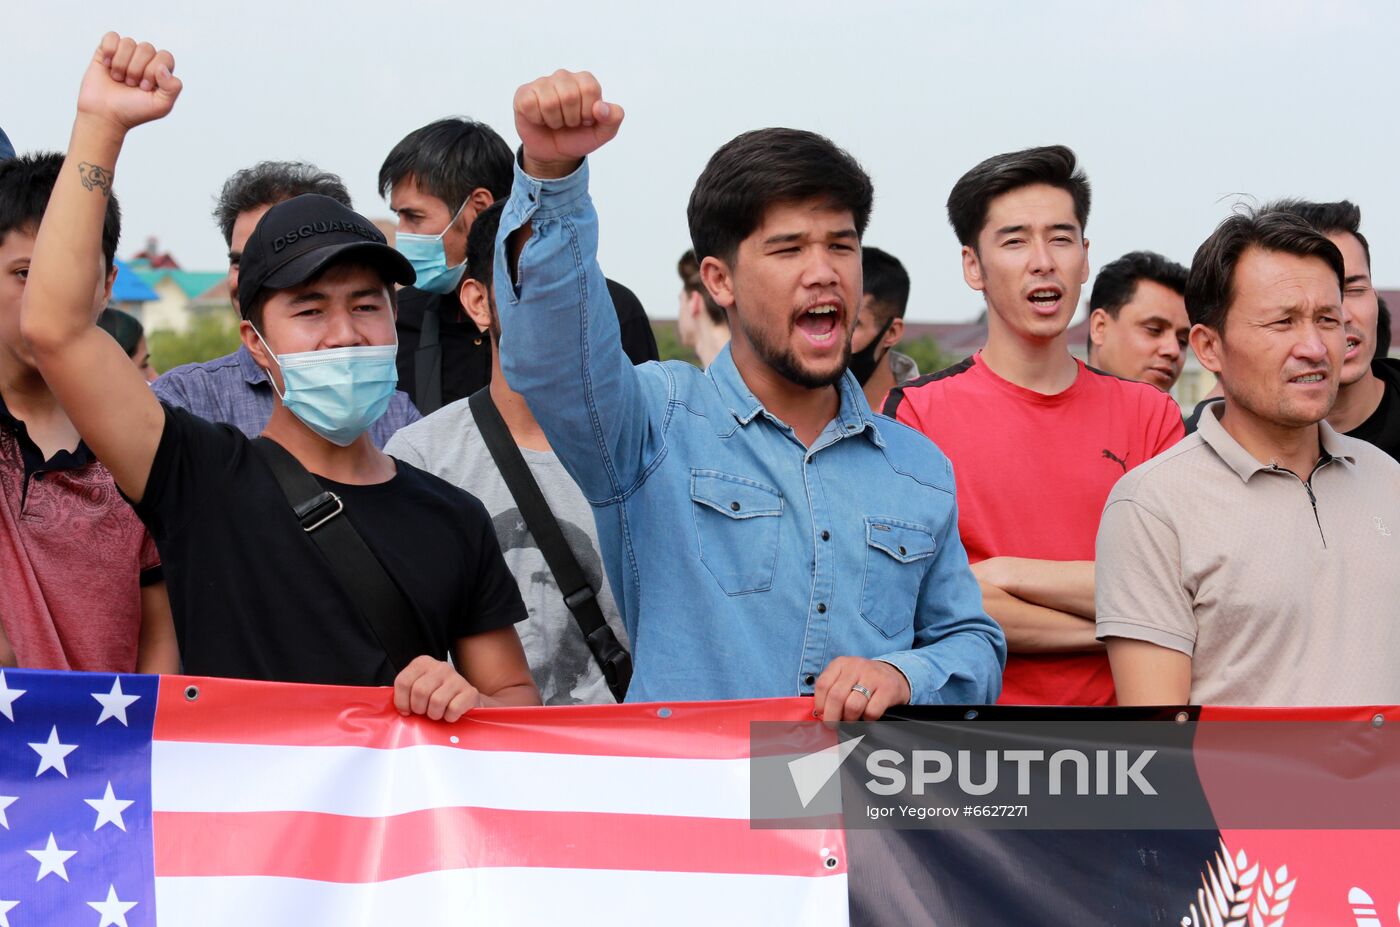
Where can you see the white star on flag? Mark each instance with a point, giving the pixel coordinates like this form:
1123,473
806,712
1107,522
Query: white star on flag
5,802
5,908
51,754
51,860
7,697
113,910
109,808
115,703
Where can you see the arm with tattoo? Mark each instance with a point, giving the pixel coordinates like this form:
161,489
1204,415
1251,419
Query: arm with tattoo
94,381
95,177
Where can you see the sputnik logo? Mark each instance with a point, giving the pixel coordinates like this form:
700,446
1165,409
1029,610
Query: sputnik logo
812,772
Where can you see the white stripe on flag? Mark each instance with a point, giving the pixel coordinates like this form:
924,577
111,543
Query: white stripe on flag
576,897
366,782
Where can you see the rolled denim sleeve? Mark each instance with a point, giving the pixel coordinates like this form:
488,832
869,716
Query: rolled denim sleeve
959,652
560,344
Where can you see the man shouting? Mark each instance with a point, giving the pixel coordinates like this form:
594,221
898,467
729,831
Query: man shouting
764,532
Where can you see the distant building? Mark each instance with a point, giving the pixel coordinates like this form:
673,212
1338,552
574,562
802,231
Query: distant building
129,292
153,258
174,301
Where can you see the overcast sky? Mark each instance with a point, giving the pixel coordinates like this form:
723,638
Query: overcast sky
1175,109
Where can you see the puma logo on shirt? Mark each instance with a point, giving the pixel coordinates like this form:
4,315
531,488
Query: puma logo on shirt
1120,461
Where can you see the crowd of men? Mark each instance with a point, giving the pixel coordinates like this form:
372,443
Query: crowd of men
455,467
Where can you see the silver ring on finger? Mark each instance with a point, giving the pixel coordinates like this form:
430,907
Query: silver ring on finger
861,689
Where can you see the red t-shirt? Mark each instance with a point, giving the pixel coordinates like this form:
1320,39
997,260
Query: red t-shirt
1033,474
73,556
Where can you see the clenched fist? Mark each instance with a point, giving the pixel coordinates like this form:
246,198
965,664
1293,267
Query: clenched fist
128,83
561,119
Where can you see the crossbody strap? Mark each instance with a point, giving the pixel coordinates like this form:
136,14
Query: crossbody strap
579,595
378,599
427,363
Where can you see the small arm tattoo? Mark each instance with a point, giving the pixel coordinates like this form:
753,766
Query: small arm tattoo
95,177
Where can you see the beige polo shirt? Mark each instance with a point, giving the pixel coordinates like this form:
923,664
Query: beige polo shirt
1282,592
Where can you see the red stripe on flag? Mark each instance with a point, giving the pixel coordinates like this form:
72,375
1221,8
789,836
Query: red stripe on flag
337,848
245,712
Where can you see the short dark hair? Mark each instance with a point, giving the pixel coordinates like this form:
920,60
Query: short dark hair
689,269
1211,284
972,195
1327,218
481,244
886,282
766,167
1117,282
268,183
1382,327
449,159
124,327
26,182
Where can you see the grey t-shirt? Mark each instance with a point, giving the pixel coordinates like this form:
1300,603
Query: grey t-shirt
448,444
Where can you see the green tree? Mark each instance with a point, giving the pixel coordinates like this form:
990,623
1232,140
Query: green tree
208,337
927,354
668,343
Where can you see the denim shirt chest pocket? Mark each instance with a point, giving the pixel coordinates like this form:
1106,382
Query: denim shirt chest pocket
897,556
737,527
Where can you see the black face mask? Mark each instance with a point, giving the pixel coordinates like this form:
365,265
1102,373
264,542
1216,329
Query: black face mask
864,361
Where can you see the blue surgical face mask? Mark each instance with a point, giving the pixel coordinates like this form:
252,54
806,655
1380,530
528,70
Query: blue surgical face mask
429,259
339,392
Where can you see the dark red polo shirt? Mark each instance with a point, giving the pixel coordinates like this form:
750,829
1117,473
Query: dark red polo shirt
73,558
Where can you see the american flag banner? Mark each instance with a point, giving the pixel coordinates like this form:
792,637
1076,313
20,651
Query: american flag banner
141,800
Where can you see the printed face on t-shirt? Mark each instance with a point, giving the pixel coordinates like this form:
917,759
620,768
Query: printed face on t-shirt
1030,261
795,285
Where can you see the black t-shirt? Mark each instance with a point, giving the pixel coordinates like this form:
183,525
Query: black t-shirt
253,596
466,354
1382,428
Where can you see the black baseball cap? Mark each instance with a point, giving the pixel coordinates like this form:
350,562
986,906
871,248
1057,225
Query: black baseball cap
298,238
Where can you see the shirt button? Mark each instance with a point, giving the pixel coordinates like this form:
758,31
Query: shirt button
821,607
809,679
826,535
902,551
734,506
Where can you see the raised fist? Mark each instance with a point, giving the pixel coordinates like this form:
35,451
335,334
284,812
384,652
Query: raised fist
561,119
128,83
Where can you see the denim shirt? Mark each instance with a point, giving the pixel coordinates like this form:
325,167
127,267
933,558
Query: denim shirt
233,389
743,561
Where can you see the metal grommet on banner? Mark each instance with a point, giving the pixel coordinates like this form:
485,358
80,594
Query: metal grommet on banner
191,693
1378,720
1182,717
663,712
970,714
831,862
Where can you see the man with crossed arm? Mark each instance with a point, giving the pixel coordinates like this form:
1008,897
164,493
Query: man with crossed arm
744,565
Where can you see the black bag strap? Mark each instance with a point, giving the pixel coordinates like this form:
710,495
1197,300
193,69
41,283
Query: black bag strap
579,595
427,363
377,598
